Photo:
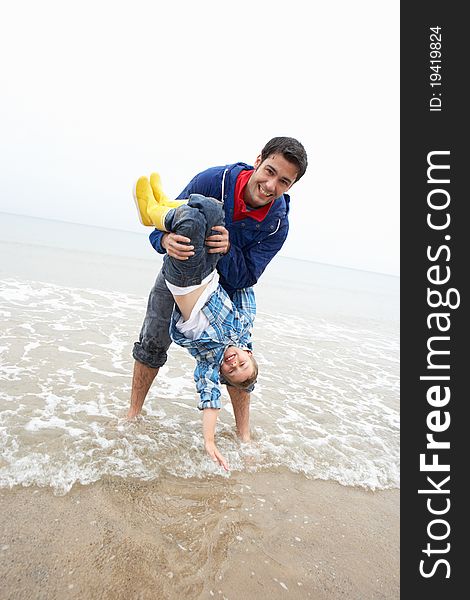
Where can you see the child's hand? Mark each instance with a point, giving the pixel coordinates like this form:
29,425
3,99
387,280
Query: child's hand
215,455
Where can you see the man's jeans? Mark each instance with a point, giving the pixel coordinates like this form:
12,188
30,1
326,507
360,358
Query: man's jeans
154,339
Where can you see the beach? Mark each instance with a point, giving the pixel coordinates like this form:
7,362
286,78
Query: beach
263,535
95,507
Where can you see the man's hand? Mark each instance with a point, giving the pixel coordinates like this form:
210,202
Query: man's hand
176,246
215,455
219,242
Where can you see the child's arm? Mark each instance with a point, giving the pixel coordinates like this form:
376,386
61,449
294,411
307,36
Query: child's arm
206,376
209,420
244,301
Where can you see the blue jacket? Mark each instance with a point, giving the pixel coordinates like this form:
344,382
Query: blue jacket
252,243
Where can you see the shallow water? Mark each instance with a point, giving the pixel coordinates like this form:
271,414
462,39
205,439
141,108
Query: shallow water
326,404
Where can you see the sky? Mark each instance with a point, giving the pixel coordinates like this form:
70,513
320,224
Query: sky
97,93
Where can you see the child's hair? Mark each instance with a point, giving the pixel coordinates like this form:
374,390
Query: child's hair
249,381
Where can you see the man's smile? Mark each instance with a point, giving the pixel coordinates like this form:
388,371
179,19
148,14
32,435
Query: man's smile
264,192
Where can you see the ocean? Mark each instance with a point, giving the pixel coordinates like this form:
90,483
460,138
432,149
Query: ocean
72,299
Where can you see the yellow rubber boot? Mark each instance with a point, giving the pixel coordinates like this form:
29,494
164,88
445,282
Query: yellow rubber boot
149,210
141,198
159,194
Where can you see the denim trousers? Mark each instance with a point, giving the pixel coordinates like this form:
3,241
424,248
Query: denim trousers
193,220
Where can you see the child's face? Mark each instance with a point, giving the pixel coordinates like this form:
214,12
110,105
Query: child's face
236,364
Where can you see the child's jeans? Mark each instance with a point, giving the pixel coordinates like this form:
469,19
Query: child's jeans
195,221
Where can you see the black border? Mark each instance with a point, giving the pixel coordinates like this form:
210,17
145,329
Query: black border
423,131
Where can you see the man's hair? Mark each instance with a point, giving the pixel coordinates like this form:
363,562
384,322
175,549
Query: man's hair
249,381
291,149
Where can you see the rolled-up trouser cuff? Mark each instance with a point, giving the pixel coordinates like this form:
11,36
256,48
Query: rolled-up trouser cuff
153,360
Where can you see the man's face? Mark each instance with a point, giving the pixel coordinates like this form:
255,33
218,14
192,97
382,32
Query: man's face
270,179
236,364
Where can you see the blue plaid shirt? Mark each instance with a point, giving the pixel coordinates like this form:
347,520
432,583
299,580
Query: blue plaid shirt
230,324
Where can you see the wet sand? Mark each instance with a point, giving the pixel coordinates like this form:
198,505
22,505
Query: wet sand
249,536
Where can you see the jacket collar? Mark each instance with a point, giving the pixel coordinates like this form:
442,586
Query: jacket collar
281,205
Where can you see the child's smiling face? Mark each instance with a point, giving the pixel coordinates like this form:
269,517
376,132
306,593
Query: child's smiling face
236,365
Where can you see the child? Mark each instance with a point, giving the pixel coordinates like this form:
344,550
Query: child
214,329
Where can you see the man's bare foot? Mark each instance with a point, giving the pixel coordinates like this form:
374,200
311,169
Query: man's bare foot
132,414
142,379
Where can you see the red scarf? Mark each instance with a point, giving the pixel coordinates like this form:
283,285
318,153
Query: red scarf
240,209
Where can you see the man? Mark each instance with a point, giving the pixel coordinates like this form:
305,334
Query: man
256,208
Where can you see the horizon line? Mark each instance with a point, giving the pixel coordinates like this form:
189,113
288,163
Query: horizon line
316,262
